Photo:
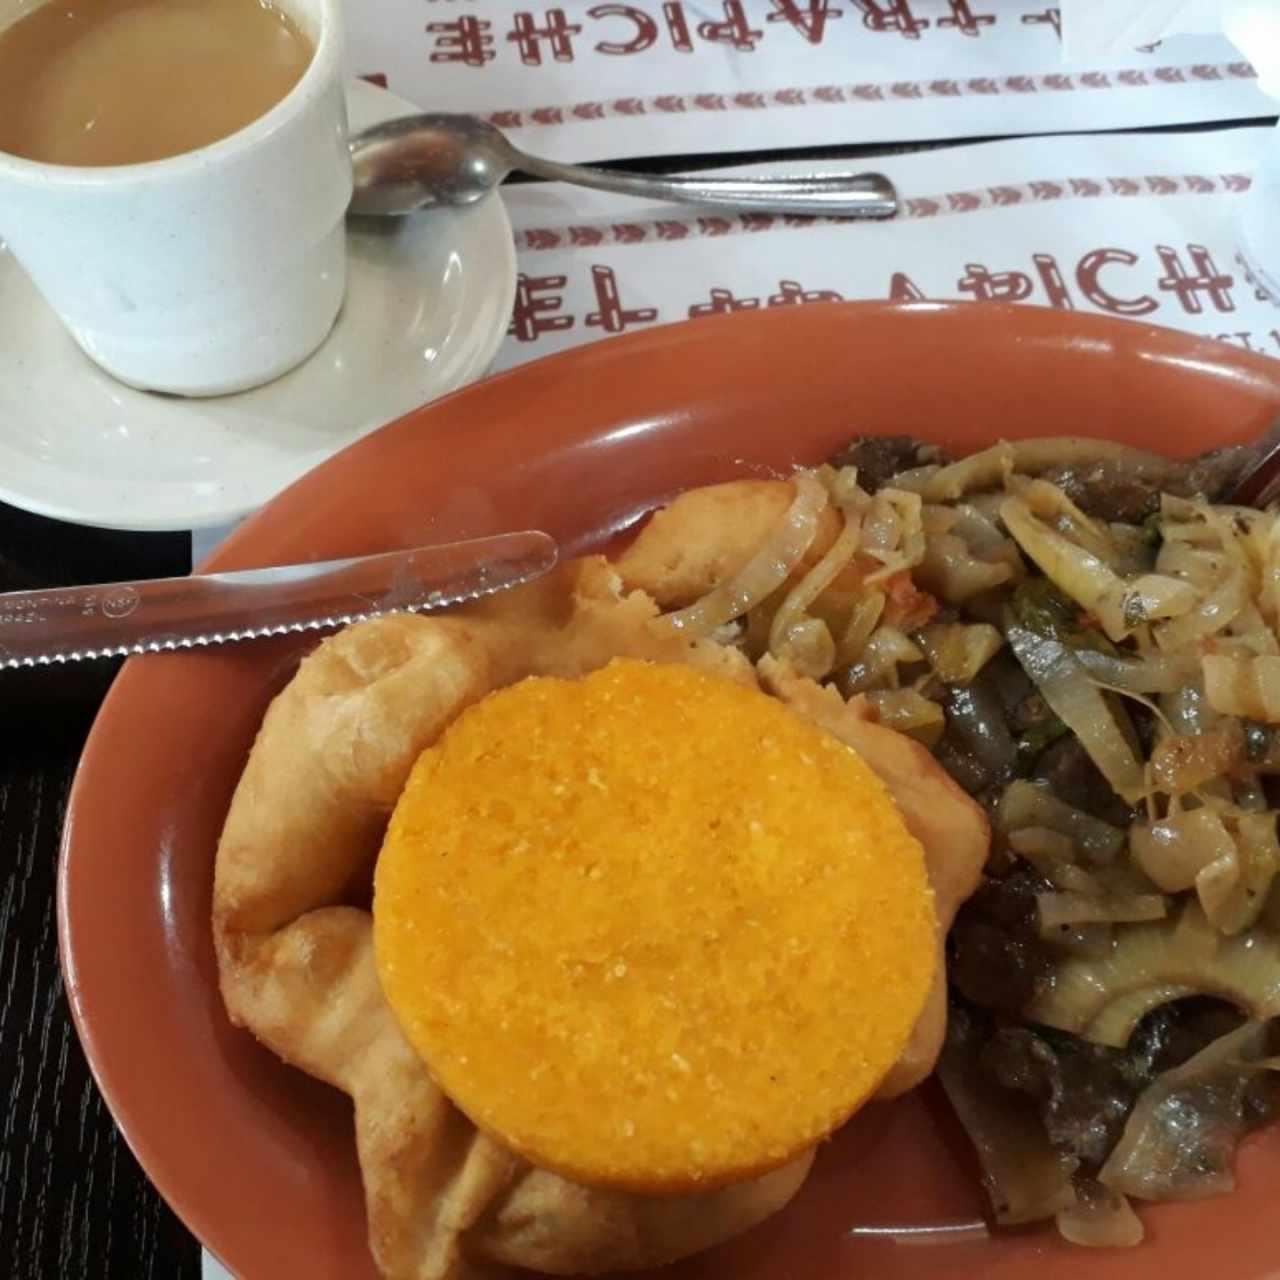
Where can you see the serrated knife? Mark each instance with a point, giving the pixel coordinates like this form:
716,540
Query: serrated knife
116,619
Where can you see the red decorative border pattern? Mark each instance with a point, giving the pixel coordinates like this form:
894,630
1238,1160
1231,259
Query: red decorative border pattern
858,94
704,226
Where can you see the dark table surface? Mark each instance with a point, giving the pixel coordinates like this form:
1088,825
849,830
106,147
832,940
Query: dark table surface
74,1204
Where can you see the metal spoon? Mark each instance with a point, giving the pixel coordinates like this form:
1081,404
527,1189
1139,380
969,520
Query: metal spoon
417,161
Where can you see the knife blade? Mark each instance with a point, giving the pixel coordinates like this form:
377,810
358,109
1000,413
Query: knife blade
117,619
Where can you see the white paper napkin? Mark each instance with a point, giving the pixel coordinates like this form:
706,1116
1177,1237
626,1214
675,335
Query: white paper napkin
1103,28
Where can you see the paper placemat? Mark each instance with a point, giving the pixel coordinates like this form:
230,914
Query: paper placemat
1139,227
648,77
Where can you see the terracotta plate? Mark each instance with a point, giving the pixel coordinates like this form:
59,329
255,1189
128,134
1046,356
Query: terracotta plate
259,1160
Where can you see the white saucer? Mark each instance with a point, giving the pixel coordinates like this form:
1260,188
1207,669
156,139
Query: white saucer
428,302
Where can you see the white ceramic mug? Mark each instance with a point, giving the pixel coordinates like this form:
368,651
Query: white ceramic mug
212,271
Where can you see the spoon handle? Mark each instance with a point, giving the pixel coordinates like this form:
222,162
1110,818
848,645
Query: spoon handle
837,195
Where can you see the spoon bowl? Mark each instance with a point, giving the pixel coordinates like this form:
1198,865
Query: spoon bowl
419,161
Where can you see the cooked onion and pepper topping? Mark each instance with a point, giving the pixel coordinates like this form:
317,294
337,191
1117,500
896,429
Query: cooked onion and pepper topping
1089,642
